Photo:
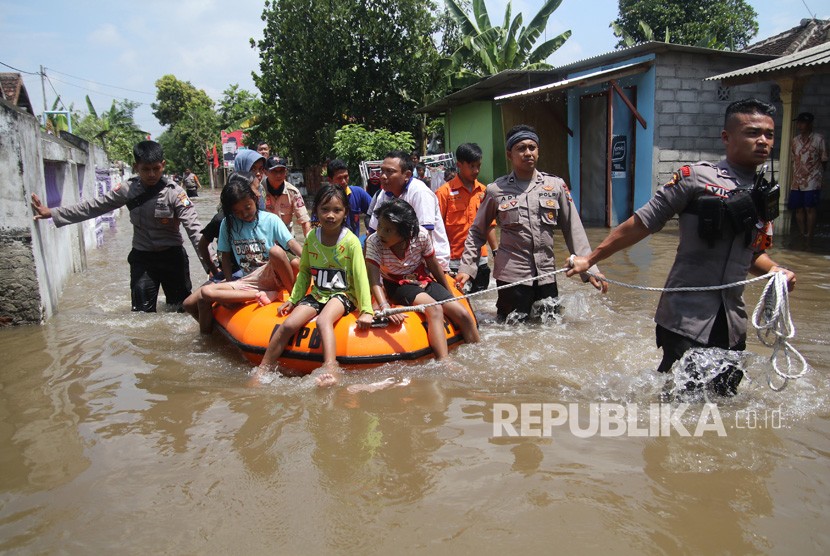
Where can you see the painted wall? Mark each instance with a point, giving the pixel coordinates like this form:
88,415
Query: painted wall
479,122
38,258
644,138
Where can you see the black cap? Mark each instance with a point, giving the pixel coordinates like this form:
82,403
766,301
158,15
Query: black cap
805,117
275,162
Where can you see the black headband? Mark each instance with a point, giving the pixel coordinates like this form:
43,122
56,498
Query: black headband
521,136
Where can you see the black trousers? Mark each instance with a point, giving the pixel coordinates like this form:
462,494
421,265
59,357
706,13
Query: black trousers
674,346
169,268
521,298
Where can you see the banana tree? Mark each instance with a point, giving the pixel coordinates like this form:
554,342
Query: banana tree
115,129
55,123
487,50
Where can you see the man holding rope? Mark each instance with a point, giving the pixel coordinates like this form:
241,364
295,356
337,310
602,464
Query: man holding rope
725,217
528,206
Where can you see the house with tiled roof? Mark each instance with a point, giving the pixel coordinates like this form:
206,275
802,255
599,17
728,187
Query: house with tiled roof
14,91
808,33
800,76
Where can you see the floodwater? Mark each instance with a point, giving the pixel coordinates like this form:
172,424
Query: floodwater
131,433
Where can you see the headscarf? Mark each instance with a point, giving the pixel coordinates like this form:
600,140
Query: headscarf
245,159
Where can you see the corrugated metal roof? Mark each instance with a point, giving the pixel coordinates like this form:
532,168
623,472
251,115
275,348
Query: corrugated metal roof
804,62
489,87
583,80
510,81
655,47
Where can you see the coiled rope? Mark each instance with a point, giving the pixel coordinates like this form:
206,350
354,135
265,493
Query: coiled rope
774,325
771,318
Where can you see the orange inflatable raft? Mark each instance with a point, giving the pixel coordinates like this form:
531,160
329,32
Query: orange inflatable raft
250,327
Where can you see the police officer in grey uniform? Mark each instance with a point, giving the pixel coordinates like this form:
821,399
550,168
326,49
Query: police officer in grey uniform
528,206
157,207
725,217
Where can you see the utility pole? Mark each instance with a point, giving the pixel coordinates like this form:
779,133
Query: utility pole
43,89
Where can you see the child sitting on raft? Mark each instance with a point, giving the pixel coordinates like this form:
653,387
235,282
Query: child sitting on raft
401,252
258,241
332,261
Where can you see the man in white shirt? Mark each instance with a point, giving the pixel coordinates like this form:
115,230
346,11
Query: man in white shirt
397,182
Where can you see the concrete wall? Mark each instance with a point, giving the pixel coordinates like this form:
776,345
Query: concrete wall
36,258
690,110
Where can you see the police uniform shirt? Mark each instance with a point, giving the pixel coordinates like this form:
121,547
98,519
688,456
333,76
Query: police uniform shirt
288,205
155,222
527,213
701,263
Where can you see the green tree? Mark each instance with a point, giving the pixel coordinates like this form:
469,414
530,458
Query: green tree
185,144
114,130
353,143
242,109
487,50
173,96
327,63
722,24
194,124
236,107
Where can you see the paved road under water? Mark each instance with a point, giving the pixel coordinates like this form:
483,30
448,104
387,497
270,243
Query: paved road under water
132,433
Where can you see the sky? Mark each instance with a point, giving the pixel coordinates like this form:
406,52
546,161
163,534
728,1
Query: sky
118,49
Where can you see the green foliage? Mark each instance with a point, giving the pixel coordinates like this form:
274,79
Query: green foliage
172,98
648,34
55,123
114,130
194,124
186,143
721,24
327,63
237,107
487,50
354,143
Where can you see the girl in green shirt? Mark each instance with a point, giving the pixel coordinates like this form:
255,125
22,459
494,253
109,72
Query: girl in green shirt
332,263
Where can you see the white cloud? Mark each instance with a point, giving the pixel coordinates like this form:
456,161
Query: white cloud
106,34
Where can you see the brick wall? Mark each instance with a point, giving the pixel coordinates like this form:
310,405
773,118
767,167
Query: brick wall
689,110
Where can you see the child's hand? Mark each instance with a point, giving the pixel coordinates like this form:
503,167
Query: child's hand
364,321
285,308
397,318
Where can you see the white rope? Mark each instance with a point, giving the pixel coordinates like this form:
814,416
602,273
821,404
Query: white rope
771,318
424,307
685,288
774,325
421,308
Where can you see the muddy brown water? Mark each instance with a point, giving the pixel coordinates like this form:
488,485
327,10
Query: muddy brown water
132,433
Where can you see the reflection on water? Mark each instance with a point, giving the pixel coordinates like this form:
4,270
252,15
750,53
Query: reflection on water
132,431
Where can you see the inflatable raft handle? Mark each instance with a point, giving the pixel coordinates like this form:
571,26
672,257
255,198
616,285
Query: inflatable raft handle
380,322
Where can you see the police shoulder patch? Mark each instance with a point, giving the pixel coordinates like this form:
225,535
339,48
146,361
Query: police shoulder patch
673,181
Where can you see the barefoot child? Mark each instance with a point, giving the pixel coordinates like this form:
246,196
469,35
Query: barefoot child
401,252
254,238
332,261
